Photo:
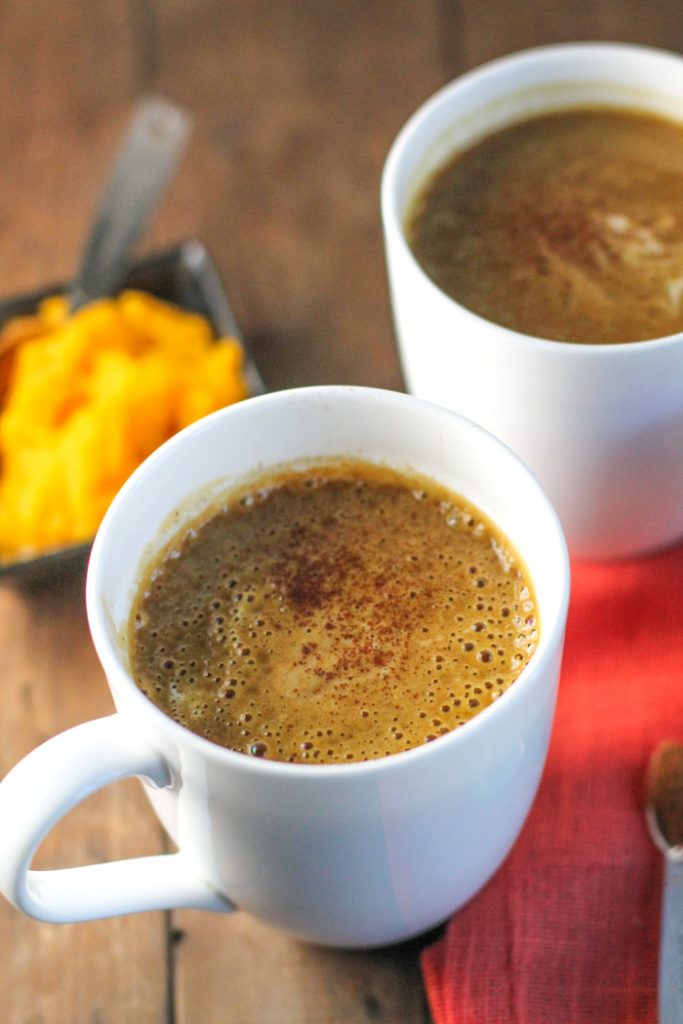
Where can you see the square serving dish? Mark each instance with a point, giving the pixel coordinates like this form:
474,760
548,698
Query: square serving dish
184,275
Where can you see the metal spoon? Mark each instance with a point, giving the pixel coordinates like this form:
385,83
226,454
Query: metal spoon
151,148
664,813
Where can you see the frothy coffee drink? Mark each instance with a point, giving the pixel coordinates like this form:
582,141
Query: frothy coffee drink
333,614
568,226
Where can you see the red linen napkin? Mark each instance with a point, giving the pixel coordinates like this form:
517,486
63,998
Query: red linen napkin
567,932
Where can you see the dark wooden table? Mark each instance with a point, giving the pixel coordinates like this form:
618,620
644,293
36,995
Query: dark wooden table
295,105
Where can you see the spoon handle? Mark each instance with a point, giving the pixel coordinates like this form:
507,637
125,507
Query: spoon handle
671,948
152,146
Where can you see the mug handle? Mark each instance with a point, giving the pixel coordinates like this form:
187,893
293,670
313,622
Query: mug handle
51,780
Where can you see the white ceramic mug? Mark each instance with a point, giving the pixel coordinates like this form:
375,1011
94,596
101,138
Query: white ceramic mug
600,425
355,854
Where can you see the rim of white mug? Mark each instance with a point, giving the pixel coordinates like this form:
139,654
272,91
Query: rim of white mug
110,655
389,198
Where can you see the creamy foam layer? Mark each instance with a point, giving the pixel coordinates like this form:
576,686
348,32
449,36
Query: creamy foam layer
334,615
568,226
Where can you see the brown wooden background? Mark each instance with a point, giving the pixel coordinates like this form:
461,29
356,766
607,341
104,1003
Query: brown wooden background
296,103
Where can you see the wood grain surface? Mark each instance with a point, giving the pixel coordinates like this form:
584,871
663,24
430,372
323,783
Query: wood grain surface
295,105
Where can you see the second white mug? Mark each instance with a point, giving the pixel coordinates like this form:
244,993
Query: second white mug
600,425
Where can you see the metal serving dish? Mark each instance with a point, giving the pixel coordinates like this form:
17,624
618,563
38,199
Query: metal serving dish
185,275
